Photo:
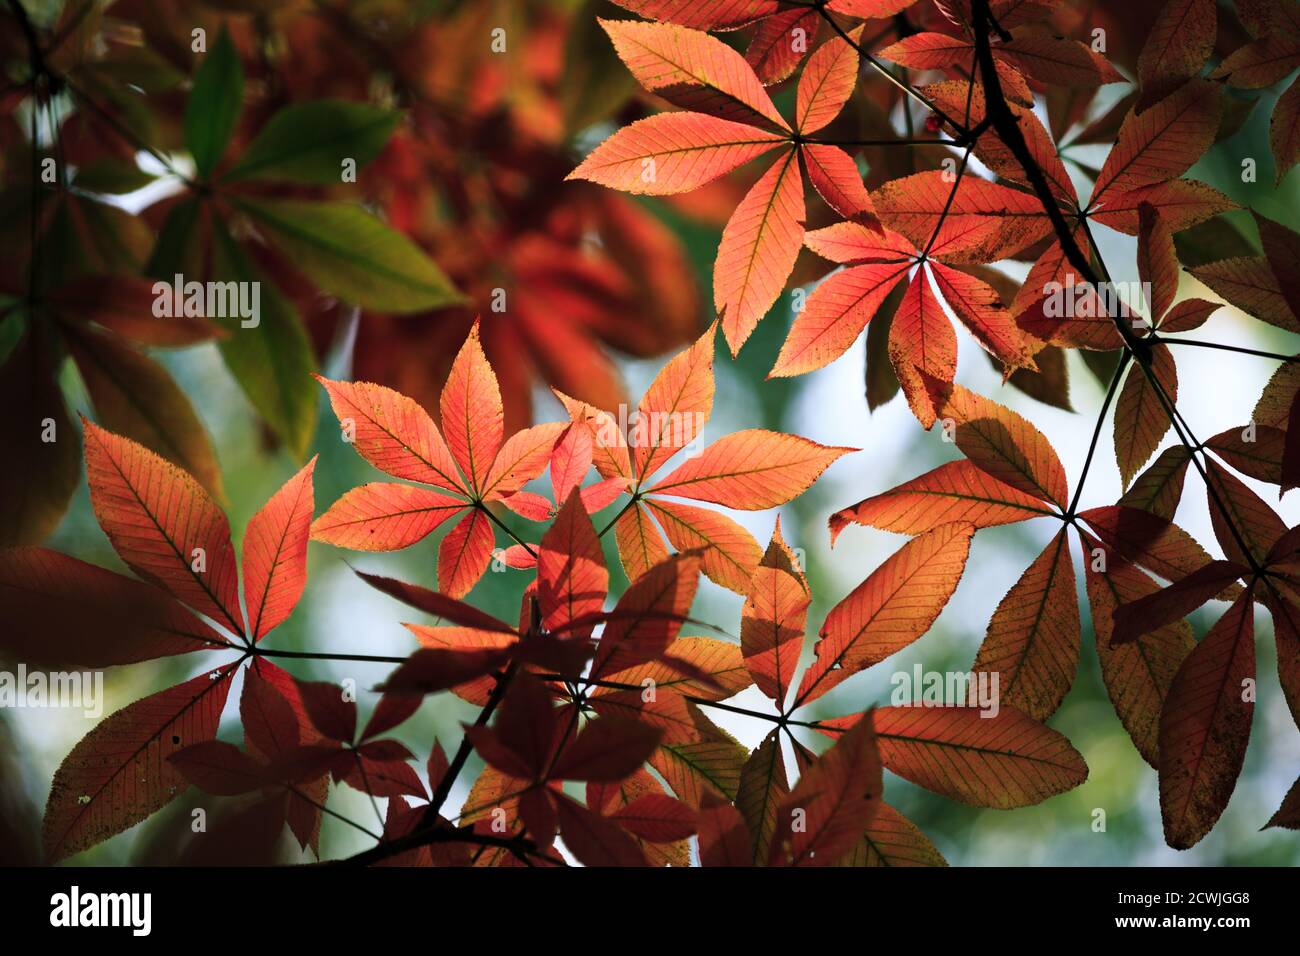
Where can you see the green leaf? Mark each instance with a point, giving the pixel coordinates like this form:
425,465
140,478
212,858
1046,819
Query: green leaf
215,101
352,255
272,362
112,176
308,142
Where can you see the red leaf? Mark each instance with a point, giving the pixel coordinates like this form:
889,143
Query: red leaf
62,611
472,415
163,524
384,516
673,153
837,797
826,83
275,553
118,773
393,433
464,553
572,579
219,768
893,607
1205,725
606,749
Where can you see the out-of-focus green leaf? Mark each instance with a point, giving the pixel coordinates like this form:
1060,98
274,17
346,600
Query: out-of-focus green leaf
352,255
309,142
214,104
274,361
112,176
595,83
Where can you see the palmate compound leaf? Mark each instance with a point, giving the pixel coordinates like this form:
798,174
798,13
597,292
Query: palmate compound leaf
1033,637
1205,726
893,607
118,774
963,753
676,152
470,457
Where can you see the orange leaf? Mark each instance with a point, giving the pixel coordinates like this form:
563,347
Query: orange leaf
921,340
826,83
118,773
1148,540
980,309
570,462
384,516
835,176
893,840
673,153
984,221
759,246
854,242
1137,674
464,553
163,524
522,458
957,491
751,470
698,666
393,433
275,553
1182,203
648,615
763,788
1003,761
834,316
730,552
1205,725
1033,638
772,621
674,409
640,545
893,607
1248,283
929,51
694,70
1003,444
1140,417
472,415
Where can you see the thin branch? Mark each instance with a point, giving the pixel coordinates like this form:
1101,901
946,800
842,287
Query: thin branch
1241,349
1096,434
